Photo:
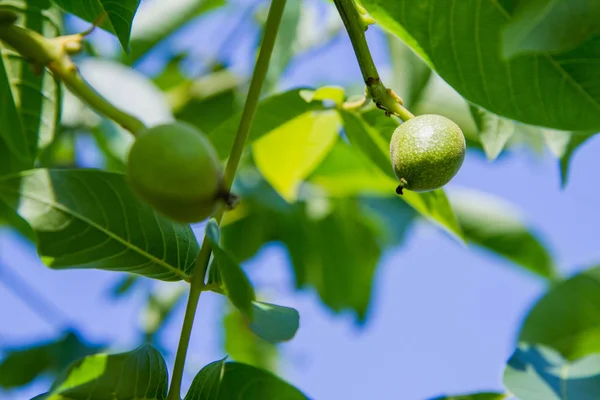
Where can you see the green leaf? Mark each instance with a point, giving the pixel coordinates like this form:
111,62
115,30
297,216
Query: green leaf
117,16
541,26
289,153
494,131
496,226
460,39
242,345
139,374
539,373
271,113
31,103
567,317
222,381
238,286
475,396
564,145
124,286
91,219
274,323
158,20
20,366
9,217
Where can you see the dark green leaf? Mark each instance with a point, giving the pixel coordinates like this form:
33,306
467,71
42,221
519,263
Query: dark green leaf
460,39
539,373
30,102
159,19
242,345
567,317
124,286
223,381
550,26
139,374
21,366
9,217
238,286
494,131
272,112
117,17
86,219
274,323
475,396
494,225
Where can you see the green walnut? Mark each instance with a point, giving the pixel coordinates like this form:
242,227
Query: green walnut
175,169
426,152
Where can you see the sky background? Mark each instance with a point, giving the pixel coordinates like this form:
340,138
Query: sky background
443,318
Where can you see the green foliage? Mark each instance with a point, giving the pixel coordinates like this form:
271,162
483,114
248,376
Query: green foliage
539,26
222,380
477,396
494,131
139,374
539,373
85,219
274,323
556,91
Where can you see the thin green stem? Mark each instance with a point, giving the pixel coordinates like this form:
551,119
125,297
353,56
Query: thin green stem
197,283
54,54
355,24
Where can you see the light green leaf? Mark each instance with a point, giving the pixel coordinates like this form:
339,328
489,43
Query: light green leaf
475,396
496,226
271,113
223,381
289,153
237,285
140,374
333,93
567,317
242,345
21,366
117,15
539,373
494,131
157,20
86,219
274,323
30,102
460,39
550,26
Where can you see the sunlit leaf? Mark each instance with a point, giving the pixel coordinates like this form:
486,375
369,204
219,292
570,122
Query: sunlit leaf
539,373
289,153
139,374
115,17
496,226
461,41
85,219
550,26
566,318
222,380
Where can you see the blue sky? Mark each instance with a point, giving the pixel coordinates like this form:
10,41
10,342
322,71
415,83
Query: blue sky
443,319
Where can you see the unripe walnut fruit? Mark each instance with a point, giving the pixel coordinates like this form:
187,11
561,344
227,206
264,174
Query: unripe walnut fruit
426,152
175,169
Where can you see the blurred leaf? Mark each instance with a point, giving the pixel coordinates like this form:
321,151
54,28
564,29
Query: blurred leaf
124,285
20,366
494,131
247,233
222,381
139,374
274,323
238,286
159,308
332,93
468,56
567,317
159,19
284,44
271,113
491,223
289,153
9,217
395,217
540,26
61,152
114,143
564,145
31,103
476,396
83,219
539,373
242,345
117,17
